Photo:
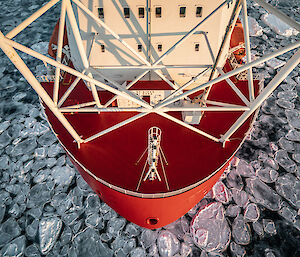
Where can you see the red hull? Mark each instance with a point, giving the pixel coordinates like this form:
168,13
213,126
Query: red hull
108,163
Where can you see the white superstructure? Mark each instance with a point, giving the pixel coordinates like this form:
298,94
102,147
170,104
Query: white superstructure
151,28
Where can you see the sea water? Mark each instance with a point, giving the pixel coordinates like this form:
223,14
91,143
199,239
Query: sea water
47,209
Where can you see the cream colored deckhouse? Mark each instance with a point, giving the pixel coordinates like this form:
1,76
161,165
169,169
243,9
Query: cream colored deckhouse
153,30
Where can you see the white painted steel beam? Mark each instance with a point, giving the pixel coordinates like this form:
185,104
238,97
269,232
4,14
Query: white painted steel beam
31,19
234,88
21,66
124,93
60,40
127,87
226,37
231,73
271,9
120,124
156,67
69,90
279,77
165,109
163,114
179,90
80,48
248,50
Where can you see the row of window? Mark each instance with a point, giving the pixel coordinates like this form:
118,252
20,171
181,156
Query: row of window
158,12
159,48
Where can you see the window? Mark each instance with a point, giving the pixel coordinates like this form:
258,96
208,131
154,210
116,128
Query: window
182,12
197,47
158,12
141,12
126,12
102,48
140,48
199,11
159,47
101,13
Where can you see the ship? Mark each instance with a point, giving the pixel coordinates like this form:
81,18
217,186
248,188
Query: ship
150,99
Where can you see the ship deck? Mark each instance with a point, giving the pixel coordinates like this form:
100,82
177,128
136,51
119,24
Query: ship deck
112,157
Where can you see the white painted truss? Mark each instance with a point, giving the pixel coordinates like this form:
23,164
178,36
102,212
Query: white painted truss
142,107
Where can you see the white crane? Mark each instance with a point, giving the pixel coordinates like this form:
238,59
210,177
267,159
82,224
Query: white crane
154,156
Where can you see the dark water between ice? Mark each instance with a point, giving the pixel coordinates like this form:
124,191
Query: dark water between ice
46,209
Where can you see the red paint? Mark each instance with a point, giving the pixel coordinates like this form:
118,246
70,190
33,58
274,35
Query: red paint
112,157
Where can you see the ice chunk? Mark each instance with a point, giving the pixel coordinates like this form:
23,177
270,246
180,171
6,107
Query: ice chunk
168,244
240,197
148,238
179,227
287,95
275,63
244,169
288,213
296,157
41,47
11,227
254,28
4,162
49,229
293,135
115,226
220,192
15,211
63,175
288,186
278,26
5,139
286,144
241,231
269,253
32,251
54,150
234,180
237,250
105,237
66,236
138,252
92,203
185,250
285,104
70,218
88,244
47,139
233,210
132,230
26,146
2,211
39,195
40,152
94,220
263,194
14,248
258,228
129,245
40,129
252,212
269,226
293,118
267,175
210,229
4,238
118,243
